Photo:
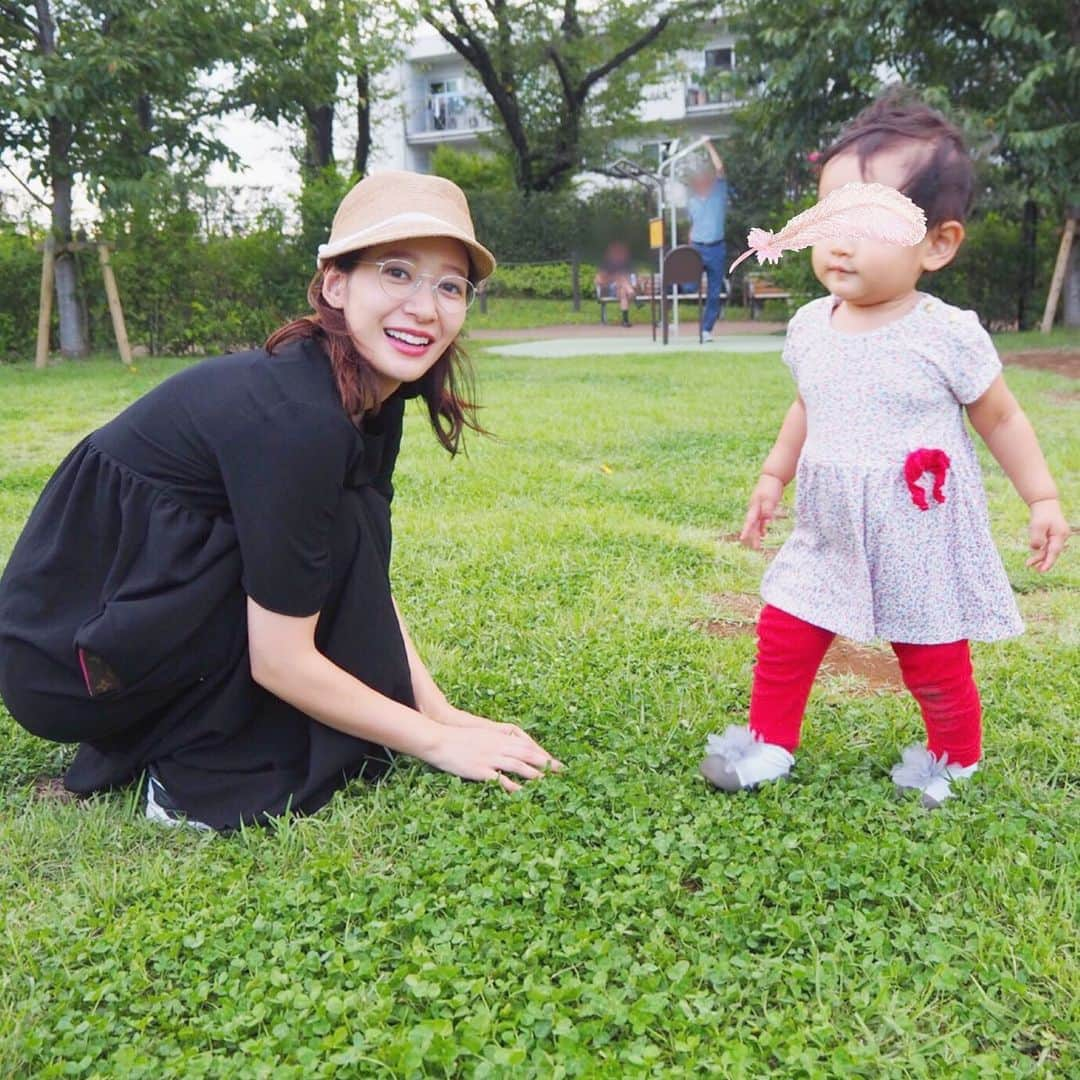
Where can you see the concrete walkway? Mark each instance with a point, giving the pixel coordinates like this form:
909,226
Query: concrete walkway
599,340
621,333
553,347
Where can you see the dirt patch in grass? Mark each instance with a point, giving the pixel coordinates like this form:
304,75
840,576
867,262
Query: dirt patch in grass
739,615
875,668
1059,361
51,788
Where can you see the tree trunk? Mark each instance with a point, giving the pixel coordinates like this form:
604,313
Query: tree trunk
73,343
72,330
363,121
1025,317
319,138
1072,282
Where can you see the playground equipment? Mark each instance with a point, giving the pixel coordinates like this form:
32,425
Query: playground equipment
669,155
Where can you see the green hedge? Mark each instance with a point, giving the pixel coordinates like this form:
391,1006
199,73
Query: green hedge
20,285
186,291
985,276
541,281
987,272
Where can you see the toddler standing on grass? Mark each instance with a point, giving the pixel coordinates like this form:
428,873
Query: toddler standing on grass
892,538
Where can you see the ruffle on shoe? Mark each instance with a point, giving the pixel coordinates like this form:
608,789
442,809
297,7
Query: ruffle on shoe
918,768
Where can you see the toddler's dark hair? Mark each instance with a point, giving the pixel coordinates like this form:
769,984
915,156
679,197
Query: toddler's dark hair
943,183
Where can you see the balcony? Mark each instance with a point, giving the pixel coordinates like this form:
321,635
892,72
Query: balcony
445,117
700,99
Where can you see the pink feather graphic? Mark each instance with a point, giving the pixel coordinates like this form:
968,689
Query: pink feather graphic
854,211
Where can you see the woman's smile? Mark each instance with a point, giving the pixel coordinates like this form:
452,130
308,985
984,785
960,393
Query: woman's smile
407,341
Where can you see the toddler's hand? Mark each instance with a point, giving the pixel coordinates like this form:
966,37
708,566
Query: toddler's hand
1048,531
763,504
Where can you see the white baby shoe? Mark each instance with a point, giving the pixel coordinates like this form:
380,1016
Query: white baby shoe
738,760
919,770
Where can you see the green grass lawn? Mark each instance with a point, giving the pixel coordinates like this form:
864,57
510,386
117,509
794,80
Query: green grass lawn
1059,337
616,920
521,313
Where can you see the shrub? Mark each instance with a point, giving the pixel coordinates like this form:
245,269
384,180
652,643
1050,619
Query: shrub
987,272
985,276
20,283
543,281
183,291
473,172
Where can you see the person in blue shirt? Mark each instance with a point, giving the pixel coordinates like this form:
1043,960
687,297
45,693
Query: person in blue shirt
707,207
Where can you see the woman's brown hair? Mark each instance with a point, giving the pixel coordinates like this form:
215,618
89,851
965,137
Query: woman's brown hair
446,387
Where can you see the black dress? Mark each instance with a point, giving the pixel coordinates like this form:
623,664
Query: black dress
123,607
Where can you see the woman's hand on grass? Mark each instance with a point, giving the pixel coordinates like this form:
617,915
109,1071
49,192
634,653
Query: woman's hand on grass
1048,531
454,717
478,749
461,718
763,503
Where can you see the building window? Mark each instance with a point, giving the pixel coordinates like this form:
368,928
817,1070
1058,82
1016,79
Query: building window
445,103
719,60
711,86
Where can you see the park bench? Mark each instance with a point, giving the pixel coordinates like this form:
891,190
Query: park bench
643,291
757,288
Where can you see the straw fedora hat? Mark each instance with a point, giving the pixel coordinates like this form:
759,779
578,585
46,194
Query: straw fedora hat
398,205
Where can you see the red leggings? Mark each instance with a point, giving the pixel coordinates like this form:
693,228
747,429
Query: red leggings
939,677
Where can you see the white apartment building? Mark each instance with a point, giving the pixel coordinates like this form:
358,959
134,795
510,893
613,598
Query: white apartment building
435,100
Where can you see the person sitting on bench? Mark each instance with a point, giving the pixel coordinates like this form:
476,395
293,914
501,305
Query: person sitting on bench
615,277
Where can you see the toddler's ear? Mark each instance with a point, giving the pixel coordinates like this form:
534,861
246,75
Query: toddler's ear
943,241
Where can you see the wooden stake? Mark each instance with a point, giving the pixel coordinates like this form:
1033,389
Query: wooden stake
115,310
1059,275
41,356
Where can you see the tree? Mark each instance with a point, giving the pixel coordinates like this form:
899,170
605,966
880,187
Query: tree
472,172
1009,72
105,92
563,82
298,57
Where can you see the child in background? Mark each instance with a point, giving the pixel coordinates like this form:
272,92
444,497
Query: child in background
892,538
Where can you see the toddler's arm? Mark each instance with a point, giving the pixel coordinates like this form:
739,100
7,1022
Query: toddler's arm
776,472
1008,434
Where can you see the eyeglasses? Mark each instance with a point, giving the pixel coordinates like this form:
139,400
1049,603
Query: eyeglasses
400,279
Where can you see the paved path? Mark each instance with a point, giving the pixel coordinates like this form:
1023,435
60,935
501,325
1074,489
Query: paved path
620,333
554,347
593,339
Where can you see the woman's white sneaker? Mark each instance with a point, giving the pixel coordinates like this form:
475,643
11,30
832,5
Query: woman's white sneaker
920,770
738,759
161,808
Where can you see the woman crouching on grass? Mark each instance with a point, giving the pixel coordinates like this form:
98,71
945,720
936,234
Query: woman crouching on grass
202,591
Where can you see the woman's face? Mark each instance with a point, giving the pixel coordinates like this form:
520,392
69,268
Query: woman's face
400,337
